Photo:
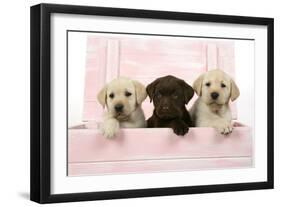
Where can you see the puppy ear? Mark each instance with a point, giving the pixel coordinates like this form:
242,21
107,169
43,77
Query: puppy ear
188,91
234,91
140,91
102,96
197,85
150,89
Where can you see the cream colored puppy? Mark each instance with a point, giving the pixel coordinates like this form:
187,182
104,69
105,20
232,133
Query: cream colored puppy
214,88
123,98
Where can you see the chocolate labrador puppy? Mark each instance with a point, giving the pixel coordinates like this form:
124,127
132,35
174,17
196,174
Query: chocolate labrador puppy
170,95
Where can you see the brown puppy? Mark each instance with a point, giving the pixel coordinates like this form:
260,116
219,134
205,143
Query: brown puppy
170,95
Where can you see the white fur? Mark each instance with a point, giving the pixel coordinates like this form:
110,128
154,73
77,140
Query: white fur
132,116
207,112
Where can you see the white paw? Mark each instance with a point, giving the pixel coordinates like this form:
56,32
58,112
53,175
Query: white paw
110,129
225,129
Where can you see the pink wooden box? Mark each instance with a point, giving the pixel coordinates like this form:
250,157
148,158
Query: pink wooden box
153,150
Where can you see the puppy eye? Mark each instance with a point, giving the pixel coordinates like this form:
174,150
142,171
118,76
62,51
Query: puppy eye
208,84
158,95
128,94
223,85
111,95
175,96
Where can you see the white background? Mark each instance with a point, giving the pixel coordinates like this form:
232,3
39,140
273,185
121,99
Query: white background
14,82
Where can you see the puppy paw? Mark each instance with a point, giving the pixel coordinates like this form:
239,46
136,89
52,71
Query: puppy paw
180,129
225,129
110,128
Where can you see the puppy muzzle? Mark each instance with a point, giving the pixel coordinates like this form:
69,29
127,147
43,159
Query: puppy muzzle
166,112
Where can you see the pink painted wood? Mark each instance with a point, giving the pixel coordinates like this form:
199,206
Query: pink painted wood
150,150
150,166
89,145
146,59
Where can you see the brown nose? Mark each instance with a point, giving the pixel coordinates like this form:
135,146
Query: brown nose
165,107
119,107
214,95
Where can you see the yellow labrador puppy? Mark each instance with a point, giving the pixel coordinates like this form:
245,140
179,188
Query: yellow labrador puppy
122,98
215,88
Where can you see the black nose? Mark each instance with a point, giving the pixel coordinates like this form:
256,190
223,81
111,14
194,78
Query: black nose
214,95
119,107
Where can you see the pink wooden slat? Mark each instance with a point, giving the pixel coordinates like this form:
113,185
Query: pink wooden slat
88,145
95,67
98,168
212,56
95,76
155,45
226,57
112,59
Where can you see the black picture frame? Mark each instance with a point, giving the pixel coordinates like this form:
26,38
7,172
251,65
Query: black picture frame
40,184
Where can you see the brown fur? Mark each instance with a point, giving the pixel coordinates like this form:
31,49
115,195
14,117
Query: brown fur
170,95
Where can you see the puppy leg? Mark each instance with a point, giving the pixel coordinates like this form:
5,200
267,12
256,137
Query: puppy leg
110,127
224,127
179,127
221,125
151,122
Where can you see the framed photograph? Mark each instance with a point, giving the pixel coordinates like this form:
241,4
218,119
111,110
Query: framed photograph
133,103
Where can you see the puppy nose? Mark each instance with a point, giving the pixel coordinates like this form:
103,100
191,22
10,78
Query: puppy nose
165,107
119,107
214,95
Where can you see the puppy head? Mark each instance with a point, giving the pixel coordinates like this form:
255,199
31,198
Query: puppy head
216,87
121,97
169,95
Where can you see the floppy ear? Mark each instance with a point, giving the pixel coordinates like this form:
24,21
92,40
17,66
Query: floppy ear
150,89
102,96
197,85
140,91
234,91
188,91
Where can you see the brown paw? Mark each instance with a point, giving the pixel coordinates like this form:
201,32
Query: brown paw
181,129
